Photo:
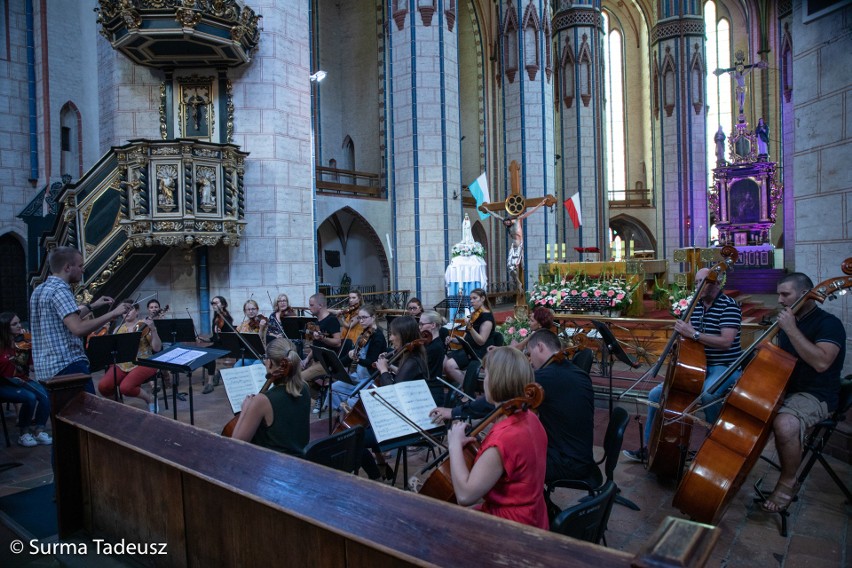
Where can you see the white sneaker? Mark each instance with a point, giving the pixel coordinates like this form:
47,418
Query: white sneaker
44,438
27,440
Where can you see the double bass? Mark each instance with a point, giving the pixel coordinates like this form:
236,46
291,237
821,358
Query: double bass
439,484
683,384
736,440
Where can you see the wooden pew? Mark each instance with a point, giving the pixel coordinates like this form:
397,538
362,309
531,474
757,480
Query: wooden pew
122,473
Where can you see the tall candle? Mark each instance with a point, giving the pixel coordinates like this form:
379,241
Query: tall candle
564,253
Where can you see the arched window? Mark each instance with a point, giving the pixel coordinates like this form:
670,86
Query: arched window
719,100
70,140
615,147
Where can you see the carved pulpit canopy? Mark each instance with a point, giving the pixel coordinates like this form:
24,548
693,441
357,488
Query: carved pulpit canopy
181,33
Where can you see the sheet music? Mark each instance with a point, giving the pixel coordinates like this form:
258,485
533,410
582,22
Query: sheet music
180,356
412,398
242,381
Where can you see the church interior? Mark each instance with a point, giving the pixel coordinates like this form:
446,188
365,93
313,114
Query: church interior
243,149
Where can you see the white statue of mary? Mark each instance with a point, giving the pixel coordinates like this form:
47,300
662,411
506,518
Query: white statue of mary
467,236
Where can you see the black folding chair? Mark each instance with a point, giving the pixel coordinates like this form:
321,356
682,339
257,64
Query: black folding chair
341,451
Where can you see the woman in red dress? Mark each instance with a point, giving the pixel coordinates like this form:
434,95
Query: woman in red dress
508,474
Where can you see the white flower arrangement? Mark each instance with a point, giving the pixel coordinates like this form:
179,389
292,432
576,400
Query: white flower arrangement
465,249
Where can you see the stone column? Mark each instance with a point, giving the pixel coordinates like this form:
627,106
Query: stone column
680,136
424,154
579,124
526,75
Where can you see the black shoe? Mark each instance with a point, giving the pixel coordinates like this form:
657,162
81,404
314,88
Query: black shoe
640,455
208,388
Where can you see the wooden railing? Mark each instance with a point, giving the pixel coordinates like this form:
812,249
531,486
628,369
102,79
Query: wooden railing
348,182
125,474
631,197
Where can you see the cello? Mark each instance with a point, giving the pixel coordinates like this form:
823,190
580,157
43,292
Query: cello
736,440
683,384
439,484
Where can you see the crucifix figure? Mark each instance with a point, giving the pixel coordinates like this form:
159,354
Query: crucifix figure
739,72
517,209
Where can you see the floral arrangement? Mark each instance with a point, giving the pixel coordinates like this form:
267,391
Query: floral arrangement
465,249
515,330
679,300
583,294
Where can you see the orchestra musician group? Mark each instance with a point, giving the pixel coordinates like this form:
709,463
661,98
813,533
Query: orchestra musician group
523,448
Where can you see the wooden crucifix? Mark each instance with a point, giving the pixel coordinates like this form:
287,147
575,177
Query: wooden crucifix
517,209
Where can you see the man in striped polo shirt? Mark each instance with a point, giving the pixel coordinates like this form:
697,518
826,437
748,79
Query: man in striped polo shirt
715,323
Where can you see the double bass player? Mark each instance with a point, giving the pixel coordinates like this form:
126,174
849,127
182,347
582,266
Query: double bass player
715,324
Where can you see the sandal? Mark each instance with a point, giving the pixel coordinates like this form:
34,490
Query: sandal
779,500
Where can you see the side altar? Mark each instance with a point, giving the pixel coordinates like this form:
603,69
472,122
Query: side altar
634,272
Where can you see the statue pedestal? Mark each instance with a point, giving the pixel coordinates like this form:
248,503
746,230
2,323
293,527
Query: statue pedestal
465,273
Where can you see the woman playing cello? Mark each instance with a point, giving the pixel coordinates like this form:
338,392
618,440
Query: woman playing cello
509,470
279,418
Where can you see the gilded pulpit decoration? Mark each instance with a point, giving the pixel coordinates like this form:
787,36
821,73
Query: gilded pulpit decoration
166,186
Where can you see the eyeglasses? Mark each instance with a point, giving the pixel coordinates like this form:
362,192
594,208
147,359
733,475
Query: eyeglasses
364,317
422,323
412,308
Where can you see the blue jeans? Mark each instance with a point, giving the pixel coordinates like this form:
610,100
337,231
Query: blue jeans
711,413
247,362
81,366
32,398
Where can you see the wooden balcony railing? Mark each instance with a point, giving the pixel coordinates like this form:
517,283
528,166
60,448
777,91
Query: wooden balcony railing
631,197
348,182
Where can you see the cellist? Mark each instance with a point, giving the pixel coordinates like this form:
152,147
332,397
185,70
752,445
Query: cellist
508,473
818,340
715,324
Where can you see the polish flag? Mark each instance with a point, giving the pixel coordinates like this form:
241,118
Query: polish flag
572,204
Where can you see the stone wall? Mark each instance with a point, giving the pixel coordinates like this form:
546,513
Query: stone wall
822,182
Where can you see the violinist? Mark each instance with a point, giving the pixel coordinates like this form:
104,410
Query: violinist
350,325
222,321
58,327
328,336
281,309
16,386
370,345
127,376
542,318
818,340
254,322
509,470
414,307
155,311
279,418
412,365
478,337
715,324
432,322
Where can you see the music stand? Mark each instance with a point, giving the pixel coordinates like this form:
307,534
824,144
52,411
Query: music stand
236,344
105,350
334,370
179,330
182,359
609,353
294,329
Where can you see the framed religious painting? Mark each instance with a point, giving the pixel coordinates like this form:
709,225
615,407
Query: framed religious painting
744,200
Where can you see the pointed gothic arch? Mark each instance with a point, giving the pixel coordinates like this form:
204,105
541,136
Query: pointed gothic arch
510,43
566,63
696,79
669,82
631,228
584,61
531,26
348,244
13,275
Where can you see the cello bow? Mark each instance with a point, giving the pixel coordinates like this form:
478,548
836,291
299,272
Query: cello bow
734,444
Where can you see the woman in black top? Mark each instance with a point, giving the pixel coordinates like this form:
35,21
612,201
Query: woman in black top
221,315
279,418
411,366
477,338
431,322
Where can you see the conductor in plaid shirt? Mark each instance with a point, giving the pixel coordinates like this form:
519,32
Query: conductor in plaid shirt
58,327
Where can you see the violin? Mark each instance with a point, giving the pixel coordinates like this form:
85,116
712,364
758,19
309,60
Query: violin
363,339
254,323
24,341
312,328
439,484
